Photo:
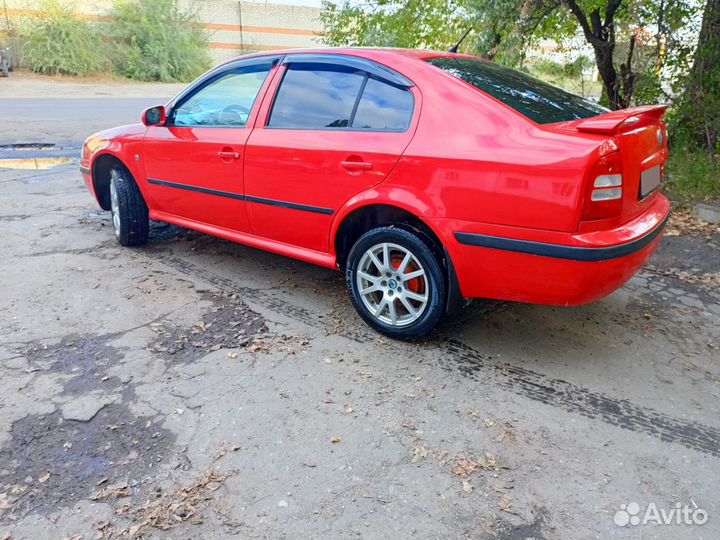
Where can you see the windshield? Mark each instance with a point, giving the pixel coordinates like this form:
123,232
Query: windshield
539,101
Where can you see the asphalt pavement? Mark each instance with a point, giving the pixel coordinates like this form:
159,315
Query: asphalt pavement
64,123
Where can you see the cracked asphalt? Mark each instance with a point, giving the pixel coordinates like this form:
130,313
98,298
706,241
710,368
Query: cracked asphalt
195,388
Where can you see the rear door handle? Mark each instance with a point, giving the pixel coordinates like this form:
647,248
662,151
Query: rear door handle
357,165
224,154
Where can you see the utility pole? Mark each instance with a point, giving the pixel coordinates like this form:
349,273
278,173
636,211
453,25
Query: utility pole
242,44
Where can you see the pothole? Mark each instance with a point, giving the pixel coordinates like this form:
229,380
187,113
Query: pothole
28,146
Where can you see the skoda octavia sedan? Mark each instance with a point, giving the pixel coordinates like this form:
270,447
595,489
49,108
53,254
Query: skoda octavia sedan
427,178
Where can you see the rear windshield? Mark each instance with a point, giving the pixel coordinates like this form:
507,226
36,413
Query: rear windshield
539,101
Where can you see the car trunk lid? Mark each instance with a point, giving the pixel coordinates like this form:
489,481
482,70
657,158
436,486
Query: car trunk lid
640,137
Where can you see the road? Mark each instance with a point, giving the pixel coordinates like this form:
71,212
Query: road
195,388
41,110
63,122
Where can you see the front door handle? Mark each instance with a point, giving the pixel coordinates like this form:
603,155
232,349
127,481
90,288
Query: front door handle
357,165
228,155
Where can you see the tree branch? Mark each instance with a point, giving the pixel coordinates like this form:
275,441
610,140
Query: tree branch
610,10
597,24
630,53
579,14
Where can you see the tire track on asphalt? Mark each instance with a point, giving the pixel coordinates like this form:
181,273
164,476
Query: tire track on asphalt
460,357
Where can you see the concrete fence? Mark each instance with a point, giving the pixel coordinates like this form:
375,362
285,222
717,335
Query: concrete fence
234,27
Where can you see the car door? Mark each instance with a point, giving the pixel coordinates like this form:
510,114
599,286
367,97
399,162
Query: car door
194,163
334,127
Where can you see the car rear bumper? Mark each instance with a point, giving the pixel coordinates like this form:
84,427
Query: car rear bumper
545,267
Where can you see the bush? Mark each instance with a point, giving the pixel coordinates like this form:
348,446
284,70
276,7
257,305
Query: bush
692,175
156,41
59,41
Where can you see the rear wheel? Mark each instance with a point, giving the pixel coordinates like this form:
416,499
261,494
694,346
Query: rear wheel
131,222
396,283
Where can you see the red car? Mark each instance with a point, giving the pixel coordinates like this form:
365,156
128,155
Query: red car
428,178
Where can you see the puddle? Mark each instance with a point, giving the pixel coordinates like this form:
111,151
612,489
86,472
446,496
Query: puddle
34,164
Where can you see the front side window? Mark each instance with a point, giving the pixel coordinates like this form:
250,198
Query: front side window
225,101
535,99
328,96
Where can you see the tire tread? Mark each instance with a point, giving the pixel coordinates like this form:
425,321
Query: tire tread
134,214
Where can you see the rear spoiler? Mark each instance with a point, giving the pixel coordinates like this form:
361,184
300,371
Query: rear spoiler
614,122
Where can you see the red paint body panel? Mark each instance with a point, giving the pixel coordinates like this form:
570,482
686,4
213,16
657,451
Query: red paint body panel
506,275
467,164
189,156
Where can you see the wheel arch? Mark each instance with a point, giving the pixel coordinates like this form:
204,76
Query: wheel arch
356,222
100,171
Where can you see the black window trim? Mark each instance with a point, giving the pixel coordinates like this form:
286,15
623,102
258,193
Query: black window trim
367,69
361,64
208,79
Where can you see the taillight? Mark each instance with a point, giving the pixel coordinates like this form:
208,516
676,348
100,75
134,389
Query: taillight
605,188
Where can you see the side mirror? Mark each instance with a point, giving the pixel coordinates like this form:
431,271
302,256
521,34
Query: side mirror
154,116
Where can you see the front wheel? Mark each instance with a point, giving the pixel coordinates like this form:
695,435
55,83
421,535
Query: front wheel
131,222
396,283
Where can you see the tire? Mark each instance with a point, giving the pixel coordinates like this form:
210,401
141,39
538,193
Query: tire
129,211
404,300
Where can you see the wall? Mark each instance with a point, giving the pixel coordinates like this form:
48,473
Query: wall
234,27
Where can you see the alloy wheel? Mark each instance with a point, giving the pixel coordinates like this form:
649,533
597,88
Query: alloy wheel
392,283
114,204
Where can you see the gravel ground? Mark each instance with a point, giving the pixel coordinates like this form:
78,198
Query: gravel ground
195,388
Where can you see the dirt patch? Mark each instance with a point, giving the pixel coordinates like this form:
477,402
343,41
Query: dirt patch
86,358
682,222
228,324
534,529
173,508
51,462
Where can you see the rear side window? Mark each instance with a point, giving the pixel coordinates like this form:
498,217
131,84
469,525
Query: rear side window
539,101
327,96
316,97
383,106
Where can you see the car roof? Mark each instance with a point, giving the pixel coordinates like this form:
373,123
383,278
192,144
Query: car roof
371,53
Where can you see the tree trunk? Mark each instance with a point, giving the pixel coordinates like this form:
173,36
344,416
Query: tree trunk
700,108
601,35
608,74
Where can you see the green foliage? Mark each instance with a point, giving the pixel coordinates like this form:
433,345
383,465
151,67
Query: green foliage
59,41
692,175
696,122
157,41
430,24
505,29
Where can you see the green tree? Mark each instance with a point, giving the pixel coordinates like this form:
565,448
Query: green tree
59,41
432,24
504,29
697,122
157,41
